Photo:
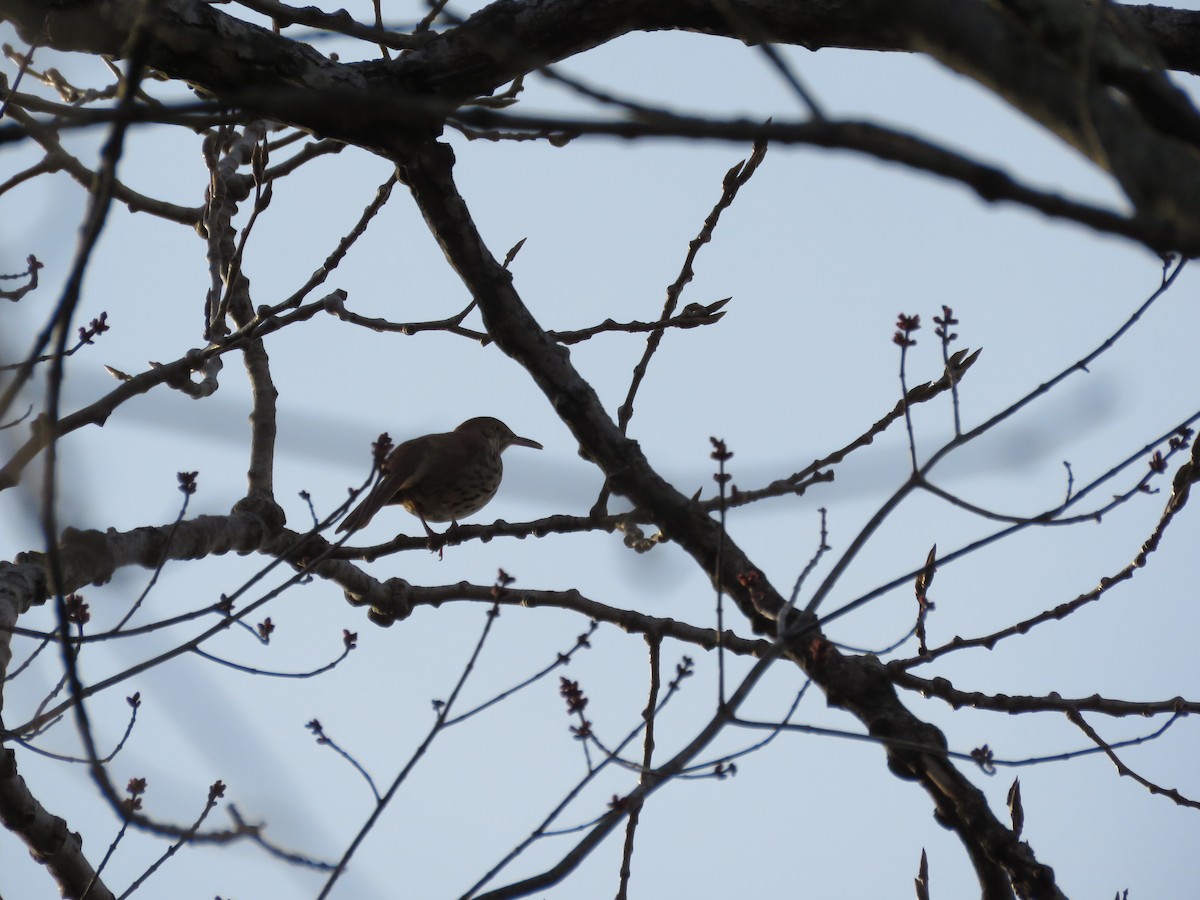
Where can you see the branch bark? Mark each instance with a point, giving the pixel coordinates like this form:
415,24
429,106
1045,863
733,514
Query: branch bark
1125,118
857,684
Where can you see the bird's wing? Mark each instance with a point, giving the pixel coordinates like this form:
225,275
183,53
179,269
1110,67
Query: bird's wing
403,468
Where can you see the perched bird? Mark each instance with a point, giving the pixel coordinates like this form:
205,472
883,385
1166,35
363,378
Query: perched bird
441,477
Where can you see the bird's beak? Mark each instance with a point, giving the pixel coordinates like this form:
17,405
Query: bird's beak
515,441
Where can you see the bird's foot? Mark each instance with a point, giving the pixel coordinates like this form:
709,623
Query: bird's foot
433,536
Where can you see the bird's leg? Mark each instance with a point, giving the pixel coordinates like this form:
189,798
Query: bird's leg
432,534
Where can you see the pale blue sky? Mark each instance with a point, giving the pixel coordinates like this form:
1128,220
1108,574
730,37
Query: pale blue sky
820,252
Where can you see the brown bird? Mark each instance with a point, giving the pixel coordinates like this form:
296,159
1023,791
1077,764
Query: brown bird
441,477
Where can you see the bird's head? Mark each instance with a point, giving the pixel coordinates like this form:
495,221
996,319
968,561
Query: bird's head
496,433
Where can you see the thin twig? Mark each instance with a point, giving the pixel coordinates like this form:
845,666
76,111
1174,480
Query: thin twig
655,645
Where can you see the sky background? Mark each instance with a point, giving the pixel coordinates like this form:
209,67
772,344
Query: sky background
820,251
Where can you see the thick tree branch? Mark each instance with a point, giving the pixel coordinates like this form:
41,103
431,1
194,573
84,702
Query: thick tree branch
1122,131
51,842
857,684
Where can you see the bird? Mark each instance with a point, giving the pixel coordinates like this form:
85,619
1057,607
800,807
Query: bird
441,477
